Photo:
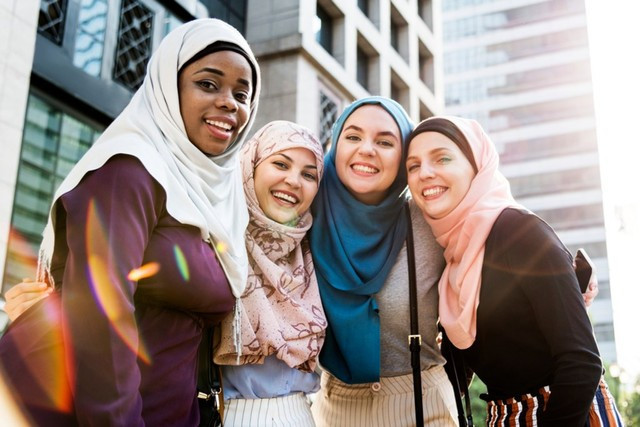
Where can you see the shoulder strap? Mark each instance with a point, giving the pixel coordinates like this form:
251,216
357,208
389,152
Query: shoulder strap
415,340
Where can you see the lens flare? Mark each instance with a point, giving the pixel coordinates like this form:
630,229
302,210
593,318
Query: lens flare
221,247
107,294
181,261
147,270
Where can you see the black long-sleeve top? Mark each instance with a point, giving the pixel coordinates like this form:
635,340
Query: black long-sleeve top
532,325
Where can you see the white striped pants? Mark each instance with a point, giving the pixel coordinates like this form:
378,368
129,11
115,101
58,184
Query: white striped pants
292,410
387,403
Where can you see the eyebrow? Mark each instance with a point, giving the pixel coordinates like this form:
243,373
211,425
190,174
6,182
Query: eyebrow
221,74
309,166
431,152
359,129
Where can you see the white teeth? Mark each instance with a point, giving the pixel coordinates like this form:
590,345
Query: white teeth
223,125
433,191
365,169
285,197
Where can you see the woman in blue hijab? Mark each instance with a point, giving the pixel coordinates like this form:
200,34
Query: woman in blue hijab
358,247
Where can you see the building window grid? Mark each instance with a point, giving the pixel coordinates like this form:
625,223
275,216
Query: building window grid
51,19
328,116
232,11
480,24
134,44
53,142
90,36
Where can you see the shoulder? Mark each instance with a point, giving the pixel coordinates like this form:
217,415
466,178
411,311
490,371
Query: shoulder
519,234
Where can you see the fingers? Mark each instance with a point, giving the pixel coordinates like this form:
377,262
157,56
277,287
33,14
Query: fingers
592,291
23,295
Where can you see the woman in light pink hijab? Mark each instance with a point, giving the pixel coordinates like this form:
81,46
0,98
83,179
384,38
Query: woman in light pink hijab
509,297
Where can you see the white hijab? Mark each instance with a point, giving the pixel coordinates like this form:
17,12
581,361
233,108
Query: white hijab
203,191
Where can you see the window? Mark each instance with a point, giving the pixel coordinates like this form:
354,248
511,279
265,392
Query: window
427,69
134,44
232,11
480,24
525,115
363,5
604,332
484,56
399,37
53,141
549,146
399,91
90,34
324,29
554,182
363,68
328,116
51,19
572,217
594,249
425,10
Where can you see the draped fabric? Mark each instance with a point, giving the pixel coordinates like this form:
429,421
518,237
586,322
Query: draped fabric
281,309
202,191
354,246
463,232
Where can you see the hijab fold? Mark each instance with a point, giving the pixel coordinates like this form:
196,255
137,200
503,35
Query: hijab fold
281,309
202,191
354,247
463,233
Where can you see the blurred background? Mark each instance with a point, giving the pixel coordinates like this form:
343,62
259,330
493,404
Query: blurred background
554,83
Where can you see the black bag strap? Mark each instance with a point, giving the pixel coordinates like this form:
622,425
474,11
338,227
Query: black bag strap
415,340
209,374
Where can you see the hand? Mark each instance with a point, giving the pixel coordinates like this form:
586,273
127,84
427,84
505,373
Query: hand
592,291
23,295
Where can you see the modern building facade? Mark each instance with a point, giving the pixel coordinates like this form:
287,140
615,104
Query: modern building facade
68,67
522,68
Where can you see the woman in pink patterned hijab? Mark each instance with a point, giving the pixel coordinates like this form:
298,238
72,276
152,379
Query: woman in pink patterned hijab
282,323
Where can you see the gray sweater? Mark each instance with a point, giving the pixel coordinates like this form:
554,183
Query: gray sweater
393,302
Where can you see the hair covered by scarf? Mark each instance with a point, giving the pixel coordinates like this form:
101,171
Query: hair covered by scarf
281,309
463,232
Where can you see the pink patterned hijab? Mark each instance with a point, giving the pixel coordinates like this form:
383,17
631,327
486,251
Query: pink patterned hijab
282,313
463,232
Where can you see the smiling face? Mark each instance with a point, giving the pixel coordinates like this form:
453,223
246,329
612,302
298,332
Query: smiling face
286,183
439,173
215,93
368,153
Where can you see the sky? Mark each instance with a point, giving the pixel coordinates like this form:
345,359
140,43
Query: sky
614,35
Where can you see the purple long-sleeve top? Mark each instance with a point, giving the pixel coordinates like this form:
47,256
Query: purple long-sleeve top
131,346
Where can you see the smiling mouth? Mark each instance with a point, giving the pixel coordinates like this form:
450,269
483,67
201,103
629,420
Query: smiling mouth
434,191
226,127
287,198
365,169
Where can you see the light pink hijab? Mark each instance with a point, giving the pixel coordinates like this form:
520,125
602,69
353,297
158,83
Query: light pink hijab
463,232
281,309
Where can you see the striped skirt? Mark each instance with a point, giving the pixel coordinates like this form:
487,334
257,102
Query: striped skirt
526,411
292,410
387,403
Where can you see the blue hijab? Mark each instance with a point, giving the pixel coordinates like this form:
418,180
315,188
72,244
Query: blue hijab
354,246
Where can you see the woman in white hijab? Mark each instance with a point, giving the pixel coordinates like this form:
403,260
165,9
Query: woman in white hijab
159,192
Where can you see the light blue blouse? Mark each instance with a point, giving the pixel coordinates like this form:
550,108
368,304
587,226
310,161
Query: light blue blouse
274,378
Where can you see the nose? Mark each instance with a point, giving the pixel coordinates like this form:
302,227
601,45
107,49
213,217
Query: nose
293,180
426,171
226,101
367,148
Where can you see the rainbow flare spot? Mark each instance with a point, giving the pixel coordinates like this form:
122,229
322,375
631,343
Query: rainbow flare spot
109,297
181,261
221,247
144,271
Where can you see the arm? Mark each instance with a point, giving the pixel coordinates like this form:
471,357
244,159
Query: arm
109,218
549,282
23,295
